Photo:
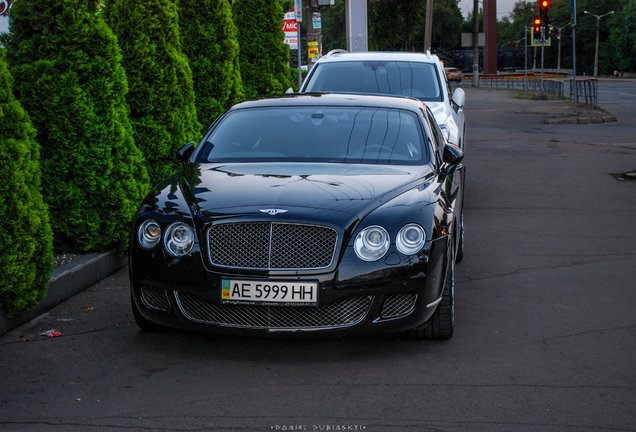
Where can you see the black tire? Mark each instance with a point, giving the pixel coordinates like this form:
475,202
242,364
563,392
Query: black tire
142,322
441,325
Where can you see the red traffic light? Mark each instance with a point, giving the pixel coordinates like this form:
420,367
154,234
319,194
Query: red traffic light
537,23
543,12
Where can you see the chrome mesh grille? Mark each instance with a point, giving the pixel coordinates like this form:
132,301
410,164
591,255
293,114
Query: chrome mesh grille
343,313
272,246
398,305
155,298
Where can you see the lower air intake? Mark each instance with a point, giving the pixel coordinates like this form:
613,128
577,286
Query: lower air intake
343,313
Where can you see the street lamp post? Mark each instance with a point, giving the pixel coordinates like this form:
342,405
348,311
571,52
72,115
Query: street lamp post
559,50
598,26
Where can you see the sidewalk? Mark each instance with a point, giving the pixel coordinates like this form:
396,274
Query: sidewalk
66,281
562,111
557,111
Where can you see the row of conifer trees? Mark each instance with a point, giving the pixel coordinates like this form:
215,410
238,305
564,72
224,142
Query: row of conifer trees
95,98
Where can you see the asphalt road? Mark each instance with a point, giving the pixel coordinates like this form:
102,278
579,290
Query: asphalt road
619,97
545,337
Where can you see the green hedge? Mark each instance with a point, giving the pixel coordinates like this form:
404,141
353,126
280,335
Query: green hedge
26,240
210,42
71,82
263,54
161,98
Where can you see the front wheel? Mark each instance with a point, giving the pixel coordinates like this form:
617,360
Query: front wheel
441,325
142,322
460,245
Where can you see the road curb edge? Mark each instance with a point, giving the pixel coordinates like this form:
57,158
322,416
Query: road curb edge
66,281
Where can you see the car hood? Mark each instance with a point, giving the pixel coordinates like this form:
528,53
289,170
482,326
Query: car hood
336,192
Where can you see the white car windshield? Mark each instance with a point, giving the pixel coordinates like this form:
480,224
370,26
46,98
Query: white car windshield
401,78
365,135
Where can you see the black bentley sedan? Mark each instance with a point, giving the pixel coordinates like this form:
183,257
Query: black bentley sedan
305,213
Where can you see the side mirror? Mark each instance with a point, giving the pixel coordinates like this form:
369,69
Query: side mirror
289,91
184,153
459,98
452,157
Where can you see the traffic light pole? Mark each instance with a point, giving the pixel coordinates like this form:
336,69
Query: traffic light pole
542,56
525,58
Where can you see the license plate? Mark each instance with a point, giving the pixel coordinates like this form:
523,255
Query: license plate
269,292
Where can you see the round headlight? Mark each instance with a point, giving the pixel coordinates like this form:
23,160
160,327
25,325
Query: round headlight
411,239
372,243
149,234
179,239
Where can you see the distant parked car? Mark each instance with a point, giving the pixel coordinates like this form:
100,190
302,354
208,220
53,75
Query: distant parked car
307,213
410,74
454,74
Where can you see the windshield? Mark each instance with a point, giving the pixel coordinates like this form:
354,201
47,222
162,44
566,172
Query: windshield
400,78
317,134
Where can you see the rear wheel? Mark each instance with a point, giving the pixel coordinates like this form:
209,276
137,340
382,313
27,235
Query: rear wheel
441,325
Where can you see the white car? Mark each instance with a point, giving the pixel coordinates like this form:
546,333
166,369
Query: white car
409,74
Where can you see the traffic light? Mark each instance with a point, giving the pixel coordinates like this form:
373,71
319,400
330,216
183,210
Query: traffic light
537,23
544,6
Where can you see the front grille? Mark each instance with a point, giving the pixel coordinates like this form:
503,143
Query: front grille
343,313
398,305
155,298
272,246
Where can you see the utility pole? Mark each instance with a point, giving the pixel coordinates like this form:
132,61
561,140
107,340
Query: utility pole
314,34
356,25
475,43
573,22
428,26
490,28
598,27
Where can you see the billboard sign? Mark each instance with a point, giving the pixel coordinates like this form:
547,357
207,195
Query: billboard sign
290,28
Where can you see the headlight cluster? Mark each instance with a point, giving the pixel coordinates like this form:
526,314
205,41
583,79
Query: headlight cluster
178,239
373,242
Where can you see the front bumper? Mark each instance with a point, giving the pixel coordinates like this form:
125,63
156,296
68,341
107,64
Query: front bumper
393,297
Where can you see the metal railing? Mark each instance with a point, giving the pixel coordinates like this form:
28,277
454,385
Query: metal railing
547,85
586,89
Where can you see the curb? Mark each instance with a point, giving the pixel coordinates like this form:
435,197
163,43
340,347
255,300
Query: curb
66,281
581,120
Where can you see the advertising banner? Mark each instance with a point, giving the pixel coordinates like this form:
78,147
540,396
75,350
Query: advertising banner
290,28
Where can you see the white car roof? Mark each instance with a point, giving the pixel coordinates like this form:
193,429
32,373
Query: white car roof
339,55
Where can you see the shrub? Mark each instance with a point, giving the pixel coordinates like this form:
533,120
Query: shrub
209,42
263,54
72,84
161,98
26,240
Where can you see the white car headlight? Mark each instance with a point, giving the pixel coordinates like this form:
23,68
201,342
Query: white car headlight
411,239
149,234
372,243
179,239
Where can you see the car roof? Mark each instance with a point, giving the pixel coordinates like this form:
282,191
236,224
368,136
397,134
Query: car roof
334,99
341,55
